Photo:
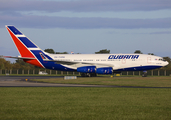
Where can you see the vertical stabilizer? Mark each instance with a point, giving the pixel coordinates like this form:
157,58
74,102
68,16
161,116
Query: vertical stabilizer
24,46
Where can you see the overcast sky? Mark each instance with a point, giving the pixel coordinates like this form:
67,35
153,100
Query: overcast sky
87,26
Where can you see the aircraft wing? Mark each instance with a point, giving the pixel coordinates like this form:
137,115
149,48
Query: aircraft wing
64,62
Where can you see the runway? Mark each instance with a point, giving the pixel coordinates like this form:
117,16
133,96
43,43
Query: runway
20,81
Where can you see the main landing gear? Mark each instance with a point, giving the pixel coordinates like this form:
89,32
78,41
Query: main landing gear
88,74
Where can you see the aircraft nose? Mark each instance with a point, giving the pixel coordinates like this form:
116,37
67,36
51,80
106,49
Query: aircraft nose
166,63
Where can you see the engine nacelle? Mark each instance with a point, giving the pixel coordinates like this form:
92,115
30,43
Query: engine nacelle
107,70
87,69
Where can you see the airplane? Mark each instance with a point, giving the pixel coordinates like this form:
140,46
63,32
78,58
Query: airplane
87,64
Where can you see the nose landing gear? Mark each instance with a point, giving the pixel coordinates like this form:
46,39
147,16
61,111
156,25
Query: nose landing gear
144,74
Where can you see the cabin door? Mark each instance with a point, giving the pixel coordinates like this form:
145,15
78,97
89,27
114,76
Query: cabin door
123,60
149,60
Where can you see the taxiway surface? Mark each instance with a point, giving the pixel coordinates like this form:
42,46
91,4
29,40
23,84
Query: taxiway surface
20,81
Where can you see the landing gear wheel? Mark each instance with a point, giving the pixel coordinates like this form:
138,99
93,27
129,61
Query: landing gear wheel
88,74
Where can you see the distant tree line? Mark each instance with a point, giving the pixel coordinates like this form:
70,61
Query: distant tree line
53,52
104,51
139,52
20,64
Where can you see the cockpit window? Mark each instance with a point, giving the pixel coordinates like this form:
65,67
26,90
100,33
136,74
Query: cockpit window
161,59
164,60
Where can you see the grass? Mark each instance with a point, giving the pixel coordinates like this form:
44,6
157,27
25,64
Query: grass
118,81
72,103
75,103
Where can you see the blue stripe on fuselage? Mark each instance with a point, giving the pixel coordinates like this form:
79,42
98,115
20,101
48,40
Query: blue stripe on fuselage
140,68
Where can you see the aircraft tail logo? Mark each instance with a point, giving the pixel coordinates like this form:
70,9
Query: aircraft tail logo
43,56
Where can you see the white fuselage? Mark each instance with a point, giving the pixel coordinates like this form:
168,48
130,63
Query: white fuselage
116,61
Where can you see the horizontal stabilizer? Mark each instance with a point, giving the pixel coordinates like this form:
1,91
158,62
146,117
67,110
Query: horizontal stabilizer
18,57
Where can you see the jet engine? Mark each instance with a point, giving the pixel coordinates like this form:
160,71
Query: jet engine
106,70
87,69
